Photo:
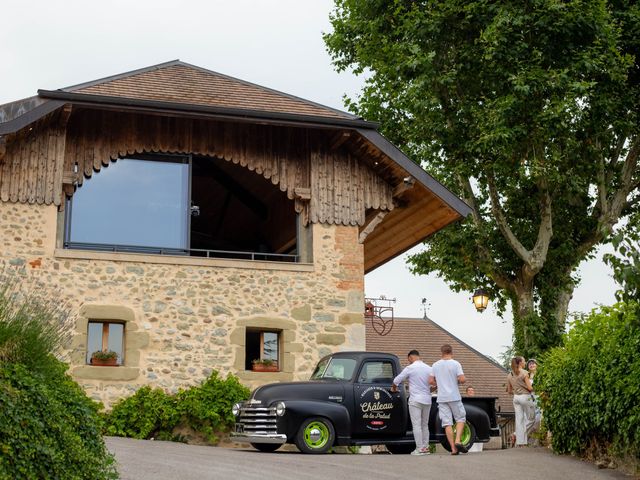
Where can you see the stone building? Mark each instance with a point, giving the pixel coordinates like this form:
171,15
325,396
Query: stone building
192,221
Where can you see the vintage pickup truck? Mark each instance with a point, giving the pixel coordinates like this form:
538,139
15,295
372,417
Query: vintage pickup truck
347,401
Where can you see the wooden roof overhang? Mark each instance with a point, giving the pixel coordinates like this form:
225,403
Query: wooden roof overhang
423,205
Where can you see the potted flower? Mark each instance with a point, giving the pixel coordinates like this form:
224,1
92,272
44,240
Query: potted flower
104,358
264,365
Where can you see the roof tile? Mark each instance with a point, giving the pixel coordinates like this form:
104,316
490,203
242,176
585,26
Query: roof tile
179,82
487,377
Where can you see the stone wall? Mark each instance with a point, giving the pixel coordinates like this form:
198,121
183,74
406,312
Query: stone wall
187,316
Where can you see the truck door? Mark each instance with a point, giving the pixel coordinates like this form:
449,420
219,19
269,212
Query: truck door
377,411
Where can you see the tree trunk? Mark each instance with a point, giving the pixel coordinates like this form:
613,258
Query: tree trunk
539,325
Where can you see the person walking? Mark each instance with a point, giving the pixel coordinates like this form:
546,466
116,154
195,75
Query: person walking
446,375
519,385
417,374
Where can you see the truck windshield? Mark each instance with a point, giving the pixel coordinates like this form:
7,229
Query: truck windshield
334,368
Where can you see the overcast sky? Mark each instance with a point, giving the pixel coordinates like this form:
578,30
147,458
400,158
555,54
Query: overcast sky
278,44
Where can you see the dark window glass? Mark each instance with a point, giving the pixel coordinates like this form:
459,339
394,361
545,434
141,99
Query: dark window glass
261,345
134,202
376,372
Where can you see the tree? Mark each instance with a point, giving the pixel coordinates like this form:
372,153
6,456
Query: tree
626,265
528,111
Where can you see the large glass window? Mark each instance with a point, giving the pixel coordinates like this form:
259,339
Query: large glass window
135,202
182,204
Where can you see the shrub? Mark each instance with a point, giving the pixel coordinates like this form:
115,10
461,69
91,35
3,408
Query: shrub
49,428
32,325
146,414
207,408
152,413
590,387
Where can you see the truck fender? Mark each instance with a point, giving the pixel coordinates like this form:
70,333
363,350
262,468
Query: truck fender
298,410
478,417
480,421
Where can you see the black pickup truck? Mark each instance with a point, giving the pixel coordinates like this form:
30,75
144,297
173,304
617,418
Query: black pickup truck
348,401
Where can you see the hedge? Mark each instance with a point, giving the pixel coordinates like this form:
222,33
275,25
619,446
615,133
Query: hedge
153,413
590,387
49,428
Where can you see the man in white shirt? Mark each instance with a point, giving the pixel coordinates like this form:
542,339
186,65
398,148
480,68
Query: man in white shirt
446,375
417,373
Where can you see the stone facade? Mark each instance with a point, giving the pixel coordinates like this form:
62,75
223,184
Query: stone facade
186,316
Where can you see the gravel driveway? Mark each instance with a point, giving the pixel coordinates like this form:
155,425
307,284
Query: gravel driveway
142,459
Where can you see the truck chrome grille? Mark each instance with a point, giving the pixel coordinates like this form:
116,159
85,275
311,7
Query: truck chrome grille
257,420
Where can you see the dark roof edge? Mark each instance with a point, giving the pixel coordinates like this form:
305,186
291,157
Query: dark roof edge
416,171
29,117
81,98
486,357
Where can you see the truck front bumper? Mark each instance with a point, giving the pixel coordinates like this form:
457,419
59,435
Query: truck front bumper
258,438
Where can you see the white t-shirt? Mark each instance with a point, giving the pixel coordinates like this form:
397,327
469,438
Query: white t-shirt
446,373
418,375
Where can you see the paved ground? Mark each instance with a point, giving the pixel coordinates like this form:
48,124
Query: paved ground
141,460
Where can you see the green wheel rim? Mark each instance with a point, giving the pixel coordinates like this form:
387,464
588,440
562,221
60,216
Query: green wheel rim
466,434
316,435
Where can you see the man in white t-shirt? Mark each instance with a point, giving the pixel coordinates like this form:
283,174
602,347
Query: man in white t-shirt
446,375
417,373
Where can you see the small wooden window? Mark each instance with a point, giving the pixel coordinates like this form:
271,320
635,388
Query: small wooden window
105,336
264,346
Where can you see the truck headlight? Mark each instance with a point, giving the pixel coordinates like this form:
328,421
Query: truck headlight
280,409
235,409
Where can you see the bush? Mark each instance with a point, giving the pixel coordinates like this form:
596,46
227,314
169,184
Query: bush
49,428
32,326
590,387
152,413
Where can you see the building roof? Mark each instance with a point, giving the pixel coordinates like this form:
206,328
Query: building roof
180,82
484,374
178,89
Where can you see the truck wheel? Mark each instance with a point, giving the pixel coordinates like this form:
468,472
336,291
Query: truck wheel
316,435
266,447
468,437
400,449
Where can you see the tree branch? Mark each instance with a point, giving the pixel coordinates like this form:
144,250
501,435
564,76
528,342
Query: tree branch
502,280
501,220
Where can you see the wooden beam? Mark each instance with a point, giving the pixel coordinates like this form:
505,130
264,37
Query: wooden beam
3,147
238,190
338,139
407,184
371,226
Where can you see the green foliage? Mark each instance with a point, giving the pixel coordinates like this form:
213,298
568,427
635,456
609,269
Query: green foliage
104,355
207,408
527,110
590,387
626,265
152,413
48,426
143,415
32,325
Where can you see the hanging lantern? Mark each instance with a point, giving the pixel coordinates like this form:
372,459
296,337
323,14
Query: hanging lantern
480,300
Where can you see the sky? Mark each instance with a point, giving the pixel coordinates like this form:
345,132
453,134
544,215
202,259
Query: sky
275,43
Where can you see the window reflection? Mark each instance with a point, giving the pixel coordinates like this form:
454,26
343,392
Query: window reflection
134,202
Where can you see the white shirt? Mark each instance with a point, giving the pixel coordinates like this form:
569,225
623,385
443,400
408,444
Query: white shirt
418,375
446,373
